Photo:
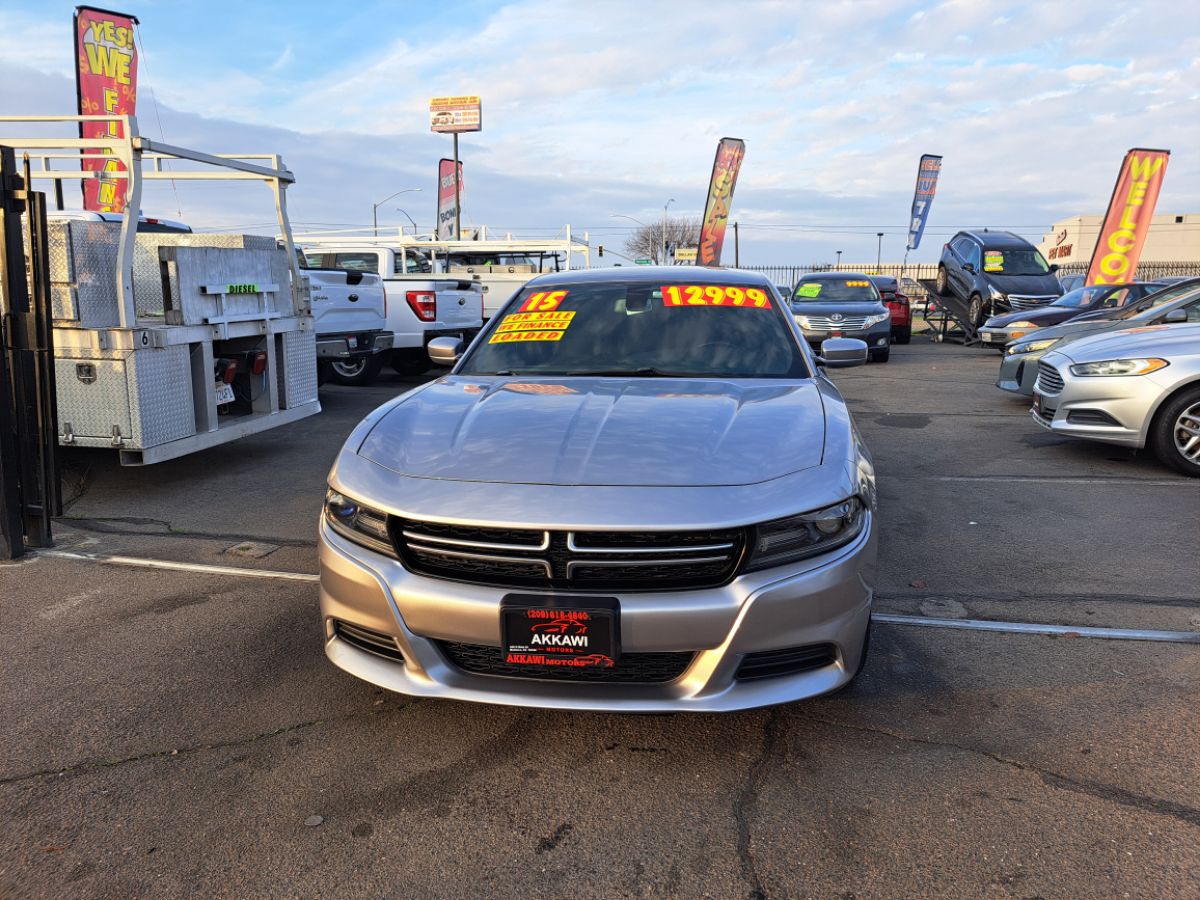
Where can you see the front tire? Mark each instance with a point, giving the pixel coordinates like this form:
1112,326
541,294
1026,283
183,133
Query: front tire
1175,434
942,284
975,311
356,372
881,356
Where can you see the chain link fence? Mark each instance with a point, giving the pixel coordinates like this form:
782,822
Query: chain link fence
913,274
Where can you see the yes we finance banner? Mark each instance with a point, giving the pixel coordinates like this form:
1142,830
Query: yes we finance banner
106,82
1127,222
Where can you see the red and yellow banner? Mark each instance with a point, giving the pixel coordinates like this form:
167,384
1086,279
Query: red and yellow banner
1127,222
106,77
720,198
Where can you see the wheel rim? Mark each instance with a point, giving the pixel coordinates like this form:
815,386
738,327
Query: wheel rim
941,279
1187,434
350,369
976,309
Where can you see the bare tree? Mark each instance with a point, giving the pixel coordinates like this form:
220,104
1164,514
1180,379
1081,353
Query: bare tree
647,241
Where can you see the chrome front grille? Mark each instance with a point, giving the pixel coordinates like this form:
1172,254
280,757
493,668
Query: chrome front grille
570,560
825,323
1048,380
1029,301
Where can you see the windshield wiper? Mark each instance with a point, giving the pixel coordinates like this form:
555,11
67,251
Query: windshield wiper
642,372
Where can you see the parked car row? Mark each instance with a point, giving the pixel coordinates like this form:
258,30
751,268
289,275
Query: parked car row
1124,371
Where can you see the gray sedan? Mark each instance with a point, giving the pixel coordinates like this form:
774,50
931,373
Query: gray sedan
636,491
1135,388
1019,366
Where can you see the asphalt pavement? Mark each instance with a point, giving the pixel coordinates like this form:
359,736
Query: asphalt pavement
175,733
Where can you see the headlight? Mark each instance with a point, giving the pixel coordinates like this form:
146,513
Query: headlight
1119,367
876,319
1032,346
797,537
1022,325
358,523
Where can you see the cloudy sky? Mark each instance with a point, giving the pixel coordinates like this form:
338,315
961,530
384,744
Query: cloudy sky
606,108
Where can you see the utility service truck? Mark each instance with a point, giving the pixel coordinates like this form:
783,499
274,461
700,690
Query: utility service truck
167,342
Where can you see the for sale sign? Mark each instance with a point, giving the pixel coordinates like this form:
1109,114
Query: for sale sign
106,76
450,115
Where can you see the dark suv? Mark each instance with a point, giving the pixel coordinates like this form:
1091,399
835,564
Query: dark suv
996,272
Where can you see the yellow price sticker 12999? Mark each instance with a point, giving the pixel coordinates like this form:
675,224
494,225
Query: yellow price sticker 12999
714,295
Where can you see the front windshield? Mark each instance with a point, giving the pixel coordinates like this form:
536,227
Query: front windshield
1009,261
640,328
823,290
1153,304
1081,298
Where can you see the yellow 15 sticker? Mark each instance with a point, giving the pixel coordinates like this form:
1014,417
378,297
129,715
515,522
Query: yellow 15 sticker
714,295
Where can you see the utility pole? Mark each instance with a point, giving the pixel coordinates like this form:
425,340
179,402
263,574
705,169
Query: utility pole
879,250
457,194
839,260
663,260
737,256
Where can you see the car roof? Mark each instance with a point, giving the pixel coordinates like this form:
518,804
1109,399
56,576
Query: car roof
834,276
998,238
660,274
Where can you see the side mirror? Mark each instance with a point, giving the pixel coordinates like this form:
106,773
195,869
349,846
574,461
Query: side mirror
1053,267
969,267
1175,316
445,351
842,353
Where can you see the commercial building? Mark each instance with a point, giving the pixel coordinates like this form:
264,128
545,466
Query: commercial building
1171,239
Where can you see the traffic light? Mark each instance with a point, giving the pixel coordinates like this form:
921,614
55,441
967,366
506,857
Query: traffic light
601,250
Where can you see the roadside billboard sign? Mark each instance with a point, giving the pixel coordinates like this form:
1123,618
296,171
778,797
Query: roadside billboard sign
448,198
730,152
927,178
106,85
454,115
1127,221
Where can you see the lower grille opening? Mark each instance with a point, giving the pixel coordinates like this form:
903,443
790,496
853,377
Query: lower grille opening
366,639
790,661
631,668
1091,417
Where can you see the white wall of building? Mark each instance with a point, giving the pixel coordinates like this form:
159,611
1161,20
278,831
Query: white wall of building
1172,238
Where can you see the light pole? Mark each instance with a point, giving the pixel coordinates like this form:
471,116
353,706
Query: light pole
839,260
630,218
664,231
410,219
879,250
375,206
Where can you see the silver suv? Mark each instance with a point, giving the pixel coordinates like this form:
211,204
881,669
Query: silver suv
635,491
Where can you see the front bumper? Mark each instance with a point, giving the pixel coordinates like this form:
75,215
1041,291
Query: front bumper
1018,373
351,346
876,337
824,600
999,336
1114,410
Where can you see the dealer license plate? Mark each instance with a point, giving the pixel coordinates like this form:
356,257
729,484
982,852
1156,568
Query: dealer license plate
1037,403
224,393
541,630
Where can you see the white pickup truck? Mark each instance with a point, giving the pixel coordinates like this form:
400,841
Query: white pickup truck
350,320
419,306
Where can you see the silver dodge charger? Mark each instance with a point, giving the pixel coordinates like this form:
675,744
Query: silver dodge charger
635,491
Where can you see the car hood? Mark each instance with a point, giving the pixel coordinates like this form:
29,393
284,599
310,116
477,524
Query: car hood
1034,285
670,432
845,307
1047,316
1148,340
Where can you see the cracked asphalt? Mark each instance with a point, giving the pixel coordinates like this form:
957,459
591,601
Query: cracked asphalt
171,733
